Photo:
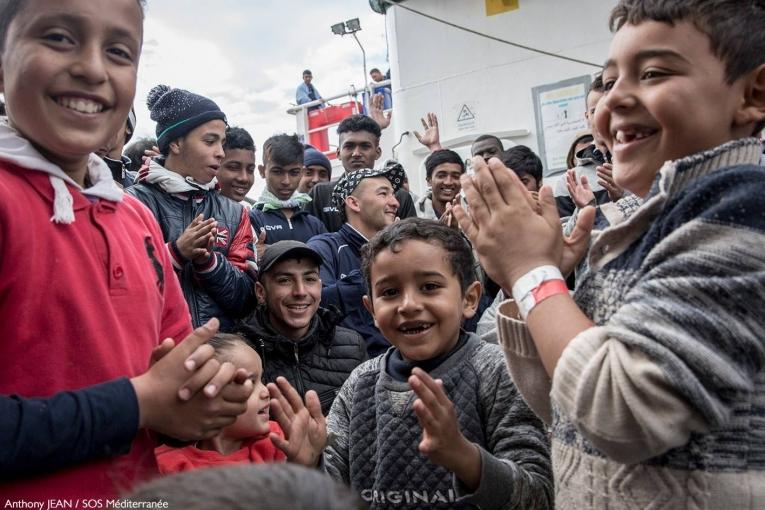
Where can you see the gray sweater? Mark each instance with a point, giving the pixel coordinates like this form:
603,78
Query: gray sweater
374,436
662,403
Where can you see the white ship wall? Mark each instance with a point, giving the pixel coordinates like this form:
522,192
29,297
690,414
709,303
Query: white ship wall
441,69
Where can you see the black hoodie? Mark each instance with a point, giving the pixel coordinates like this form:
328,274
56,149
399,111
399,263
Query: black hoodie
320,361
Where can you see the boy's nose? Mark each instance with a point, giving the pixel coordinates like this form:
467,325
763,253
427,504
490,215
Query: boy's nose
409,303
90,64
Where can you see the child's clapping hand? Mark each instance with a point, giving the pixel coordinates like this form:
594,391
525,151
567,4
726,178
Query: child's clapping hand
303,424
442,441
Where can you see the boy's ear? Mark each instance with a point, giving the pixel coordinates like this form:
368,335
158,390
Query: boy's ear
752,110
262,171
260,292
471,299
369,306
175,146
378,152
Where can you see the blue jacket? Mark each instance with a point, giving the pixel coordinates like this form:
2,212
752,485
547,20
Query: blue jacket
301,227
343,285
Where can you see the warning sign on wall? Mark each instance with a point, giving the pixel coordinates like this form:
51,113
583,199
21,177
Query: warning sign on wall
466,115
499,6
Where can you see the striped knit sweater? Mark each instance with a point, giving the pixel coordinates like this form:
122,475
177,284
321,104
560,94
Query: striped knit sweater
373,437
662,404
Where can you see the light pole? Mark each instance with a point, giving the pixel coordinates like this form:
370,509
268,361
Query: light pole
351,27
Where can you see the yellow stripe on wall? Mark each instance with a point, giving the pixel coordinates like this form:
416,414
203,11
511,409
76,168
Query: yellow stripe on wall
499,6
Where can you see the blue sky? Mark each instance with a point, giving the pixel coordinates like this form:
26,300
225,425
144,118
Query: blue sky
248,55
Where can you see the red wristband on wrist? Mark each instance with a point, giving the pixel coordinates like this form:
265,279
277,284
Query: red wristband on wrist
548,289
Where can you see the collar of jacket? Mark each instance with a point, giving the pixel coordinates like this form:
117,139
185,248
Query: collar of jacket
321,329
353,238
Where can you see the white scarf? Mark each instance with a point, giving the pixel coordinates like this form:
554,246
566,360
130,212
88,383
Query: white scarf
172,182
16,149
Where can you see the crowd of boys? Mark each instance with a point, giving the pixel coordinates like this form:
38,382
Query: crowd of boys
334,322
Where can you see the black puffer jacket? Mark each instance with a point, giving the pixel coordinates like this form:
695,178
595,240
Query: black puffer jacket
321,361
224,287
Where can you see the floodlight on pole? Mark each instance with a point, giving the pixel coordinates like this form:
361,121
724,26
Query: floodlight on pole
350,27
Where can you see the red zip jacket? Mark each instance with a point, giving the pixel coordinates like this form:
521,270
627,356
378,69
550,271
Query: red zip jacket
80,304
257,450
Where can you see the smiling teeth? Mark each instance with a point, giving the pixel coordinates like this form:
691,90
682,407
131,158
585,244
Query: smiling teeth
80,105
629,136
416,328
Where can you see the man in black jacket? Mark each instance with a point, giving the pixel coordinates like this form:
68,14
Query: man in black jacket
294,337
359,148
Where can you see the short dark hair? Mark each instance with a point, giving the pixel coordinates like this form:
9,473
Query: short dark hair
356,123
307,71
9,9
283,150
523,160
135,152
238,138
596,85
375,70
459,253
241,487
489,137
440,157
736,28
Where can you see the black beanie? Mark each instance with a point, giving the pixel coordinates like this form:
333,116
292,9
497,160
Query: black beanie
178,111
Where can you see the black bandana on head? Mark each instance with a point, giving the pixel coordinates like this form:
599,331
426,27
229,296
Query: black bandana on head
350,181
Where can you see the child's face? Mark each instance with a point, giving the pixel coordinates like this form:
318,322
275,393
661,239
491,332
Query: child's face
69,73
254,421
445,182
529,182
357,150
200,153
416,299
312,175
237,173
666,98
282,180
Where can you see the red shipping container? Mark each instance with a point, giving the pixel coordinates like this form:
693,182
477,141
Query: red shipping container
328,116
332,114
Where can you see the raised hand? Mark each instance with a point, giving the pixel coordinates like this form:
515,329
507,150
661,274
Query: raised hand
442,441
377,113
260,244
575,245
304,425
579,189
511,232
605,175
431,137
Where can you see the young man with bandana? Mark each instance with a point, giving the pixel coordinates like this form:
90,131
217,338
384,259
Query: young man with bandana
208,236
368,204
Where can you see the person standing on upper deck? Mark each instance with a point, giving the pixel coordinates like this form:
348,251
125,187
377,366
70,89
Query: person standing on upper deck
306,92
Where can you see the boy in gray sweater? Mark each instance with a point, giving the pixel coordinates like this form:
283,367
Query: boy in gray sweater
435,422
